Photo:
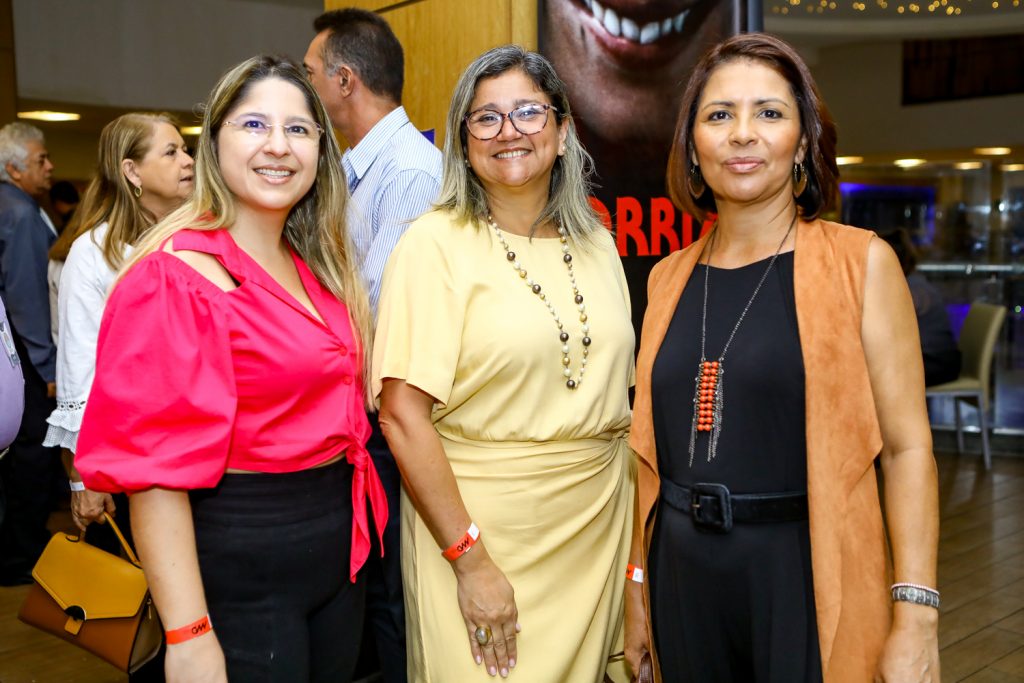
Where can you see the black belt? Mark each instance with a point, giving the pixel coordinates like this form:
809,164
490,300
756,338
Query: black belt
712,507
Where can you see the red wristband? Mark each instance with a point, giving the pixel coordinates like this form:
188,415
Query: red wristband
634,573
462,546
189,631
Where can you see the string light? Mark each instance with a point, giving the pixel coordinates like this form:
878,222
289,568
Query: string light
950,8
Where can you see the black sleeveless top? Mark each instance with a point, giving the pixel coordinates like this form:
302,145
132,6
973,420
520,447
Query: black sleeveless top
737,606
762,444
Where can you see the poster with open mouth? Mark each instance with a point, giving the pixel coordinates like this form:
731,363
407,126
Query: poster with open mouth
626,63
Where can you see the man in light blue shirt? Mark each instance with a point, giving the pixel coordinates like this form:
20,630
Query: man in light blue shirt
394,173
355,62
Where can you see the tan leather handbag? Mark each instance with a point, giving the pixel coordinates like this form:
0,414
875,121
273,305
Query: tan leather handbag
95,600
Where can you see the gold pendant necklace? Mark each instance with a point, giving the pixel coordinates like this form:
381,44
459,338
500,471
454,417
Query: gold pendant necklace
563,336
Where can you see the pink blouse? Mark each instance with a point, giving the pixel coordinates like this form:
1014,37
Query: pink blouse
192,380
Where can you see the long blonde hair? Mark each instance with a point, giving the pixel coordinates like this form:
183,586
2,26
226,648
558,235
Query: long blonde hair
316,226
109,197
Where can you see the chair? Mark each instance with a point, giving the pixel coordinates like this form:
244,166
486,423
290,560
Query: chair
977,346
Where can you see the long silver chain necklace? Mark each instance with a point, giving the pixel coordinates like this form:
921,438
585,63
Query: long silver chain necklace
563,336
709,396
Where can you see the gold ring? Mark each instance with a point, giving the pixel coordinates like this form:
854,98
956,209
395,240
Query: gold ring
482,634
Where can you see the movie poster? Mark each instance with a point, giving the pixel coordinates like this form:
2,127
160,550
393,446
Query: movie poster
626,63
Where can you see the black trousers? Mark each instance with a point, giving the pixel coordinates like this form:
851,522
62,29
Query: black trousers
29,474
385,606
274,557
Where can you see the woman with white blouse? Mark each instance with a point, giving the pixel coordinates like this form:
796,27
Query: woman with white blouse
143,173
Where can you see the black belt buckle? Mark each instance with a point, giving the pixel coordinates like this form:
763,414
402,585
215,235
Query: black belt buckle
711,507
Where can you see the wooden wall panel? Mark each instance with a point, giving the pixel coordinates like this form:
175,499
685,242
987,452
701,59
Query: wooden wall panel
372,5
8,74
441,37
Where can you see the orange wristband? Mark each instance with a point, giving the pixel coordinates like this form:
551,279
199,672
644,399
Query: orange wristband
634,573
189,631
462,546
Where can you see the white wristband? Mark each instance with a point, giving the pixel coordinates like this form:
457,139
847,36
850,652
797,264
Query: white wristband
76,486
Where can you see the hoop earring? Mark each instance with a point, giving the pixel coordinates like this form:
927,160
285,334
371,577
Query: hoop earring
799,179
138,191
695,182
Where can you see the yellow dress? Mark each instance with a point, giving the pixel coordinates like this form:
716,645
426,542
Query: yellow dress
545,472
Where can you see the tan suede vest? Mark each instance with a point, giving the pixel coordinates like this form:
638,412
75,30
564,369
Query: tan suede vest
849,556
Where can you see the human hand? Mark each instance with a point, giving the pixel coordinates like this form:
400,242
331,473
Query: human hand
487,601
637,636
199,660
88,506
911,652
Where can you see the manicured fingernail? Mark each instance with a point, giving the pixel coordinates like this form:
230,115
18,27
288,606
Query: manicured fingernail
479,659
512,663
518,627
504,673
493,671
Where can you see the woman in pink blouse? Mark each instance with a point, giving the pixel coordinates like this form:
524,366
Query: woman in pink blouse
229,397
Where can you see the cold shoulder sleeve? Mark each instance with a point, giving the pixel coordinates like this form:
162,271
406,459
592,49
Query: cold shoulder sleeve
163,401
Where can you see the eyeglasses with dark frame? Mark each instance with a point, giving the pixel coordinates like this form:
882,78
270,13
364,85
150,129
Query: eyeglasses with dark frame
307,131
528,119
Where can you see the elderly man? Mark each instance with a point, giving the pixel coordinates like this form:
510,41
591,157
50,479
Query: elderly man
356,64
28,471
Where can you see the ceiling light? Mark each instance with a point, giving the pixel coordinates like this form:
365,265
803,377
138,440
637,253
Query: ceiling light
968,165
1012,167
191,130
49,115
909,163
846,161
992,151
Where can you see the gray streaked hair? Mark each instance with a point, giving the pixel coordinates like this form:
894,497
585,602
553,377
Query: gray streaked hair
461,191
13,137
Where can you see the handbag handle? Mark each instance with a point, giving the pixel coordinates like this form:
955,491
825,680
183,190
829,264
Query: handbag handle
124,542
646,668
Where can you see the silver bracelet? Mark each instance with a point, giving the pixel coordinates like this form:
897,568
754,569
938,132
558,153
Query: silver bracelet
76,486
916,594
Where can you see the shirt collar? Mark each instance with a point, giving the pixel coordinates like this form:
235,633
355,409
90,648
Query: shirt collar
361,157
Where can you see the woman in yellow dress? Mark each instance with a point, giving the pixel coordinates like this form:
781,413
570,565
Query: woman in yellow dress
503,358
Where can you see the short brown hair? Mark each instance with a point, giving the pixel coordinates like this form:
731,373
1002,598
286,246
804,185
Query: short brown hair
815,123
363,41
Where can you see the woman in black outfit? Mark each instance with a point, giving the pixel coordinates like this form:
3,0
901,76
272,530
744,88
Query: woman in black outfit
779,358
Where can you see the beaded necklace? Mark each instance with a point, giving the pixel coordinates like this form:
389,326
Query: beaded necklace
563,336
708,397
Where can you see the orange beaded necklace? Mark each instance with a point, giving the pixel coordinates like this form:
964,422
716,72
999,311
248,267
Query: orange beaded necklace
708,398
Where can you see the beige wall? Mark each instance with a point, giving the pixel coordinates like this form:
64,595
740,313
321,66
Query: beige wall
861,84
73,153
147,55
